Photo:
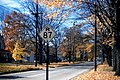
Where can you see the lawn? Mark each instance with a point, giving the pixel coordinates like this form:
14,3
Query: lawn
10,68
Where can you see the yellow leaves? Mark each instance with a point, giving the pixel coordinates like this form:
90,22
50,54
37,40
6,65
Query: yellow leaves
80,46
18,52
89,47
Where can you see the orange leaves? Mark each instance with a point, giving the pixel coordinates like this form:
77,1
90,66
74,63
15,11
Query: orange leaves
55,3
7,19
13,29
103,72
90,47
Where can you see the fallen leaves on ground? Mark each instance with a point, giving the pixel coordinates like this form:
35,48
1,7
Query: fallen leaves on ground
104,72
59,64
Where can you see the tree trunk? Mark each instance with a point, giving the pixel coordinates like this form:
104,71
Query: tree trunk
56,54
109,55
40,51
103,53
69,52
118,63
118,38
114,60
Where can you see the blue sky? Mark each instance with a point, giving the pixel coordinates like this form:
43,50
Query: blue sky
15,4
10,3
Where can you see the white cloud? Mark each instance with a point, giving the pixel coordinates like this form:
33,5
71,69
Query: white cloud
10,3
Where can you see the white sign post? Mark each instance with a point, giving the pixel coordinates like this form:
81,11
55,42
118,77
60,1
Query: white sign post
47,34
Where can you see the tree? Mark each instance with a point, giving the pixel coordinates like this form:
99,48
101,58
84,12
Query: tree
117,37
75,42
11,30
107,13
52,17
57,40
16,28
18,52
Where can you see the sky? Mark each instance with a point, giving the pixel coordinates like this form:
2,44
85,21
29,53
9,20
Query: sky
10,3
15,4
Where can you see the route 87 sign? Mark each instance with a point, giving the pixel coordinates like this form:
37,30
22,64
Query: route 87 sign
47,34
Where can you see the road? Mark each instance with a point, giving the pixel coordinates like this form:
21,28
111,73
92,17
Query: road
59,73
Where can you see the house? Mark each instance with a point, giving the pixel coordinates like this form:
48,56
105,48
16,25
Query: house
5,55
29,58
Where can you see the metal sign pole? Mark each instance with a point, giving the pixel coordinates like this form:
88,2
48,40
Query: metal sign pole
47,34
47,63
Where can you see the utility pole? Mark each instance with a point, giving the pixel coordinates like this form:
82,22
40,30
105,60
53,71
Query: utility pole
36,23
38,38
40,42
95,36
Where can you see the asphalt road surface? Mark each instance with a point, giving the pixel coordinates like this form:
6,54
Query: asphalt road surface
60,73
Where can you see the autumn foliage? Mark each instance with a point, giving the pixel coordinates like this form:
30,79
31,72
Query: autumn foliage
13,30
18,52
